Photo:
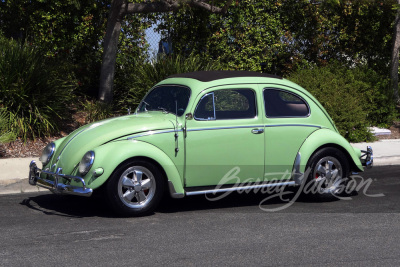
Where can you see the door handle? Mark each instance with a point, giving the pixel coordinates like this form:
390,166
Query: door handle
257,131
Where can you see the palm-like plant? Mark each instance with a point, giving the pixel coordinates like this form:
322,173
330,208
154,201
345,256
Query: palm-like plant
33,92
5,134
133,83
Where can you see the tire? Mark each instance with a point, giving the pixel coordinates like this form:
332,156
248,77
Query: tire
328,171
135,188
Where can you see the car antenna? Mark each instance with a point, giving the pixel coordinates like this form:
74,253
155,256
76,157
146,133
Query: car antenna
176,127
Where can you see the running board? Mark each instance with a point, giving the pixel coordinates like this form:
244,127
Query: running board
231,189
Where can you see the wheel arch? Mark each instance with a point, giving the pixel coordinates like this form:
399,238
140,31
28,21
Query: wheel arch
327,138
112,155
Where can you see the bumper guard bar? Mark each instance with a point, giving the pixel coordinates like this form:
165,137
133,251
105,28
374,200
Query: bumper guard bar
55,186
367,157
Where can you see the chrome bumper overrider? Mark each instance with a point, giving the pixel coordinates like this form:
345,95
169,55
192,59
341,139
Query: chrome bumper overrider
367,158
55,186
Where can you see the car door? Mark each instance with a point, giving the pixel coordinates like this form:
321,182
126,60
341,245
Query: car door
288,123
225,139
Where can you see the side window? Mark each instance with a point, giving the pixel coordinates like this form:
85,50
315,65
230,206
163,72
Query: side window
226,104
279,103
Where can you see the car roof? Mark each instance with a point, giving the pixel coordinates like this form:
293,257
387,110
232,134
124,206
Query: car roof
208,76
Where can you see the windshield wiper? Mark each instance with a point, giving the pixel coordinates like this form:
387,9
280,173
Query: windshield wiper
164,110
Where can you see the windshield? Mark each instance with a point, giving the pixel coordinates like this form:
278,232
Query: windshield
166,98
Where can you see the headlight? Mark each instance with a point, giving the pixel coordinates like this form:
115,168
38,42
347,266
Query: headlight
47,153
86,163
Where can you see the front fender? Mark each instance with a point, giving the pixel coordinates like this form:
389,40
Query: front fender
327,137
109,156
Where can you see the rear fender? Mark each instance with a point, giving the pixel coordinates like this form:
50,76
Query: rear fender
328,138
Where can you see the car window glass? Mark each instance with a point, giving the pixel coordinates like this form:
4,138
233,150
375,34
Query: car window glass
205,108
227,104
280,103
168,98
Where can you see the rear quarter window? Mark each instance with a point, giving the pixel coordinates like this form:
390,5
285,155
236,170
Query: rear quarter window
281,104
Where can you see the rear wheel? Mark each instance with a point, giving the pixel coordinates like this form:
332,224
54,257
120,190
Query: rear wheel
328,173
135,188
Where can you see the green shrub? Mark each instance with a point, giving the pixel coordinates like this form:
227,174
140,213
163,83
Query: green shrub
34,90
354,98
133,81
5,134
96,111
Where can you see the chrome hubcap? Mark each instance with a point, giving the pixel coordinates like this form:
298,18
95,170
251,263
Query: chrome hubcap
328,175
136,187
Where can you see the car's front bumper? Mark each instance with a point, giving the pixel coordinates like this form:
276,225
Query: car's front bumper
54,185
367,157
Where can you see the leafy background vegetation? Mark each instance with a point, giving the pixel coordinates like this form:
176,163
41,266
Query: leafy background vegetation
51,53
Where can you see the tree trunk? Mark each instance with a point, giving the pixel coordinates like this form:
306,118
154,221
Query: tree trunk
394,64
119,8
110,52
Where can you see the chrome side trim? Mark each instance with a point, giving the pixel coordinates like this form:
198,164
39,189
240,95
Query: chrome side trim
173,192
232,189
152,133
224,128
296,174
286,125
55,186
221,128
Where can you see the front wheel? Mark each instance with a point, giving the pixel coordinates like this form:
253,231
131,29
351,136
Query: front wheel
135,188
328,170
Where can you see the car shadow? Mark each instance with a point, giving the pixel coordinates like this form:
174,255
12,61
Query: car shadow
80,207
68,206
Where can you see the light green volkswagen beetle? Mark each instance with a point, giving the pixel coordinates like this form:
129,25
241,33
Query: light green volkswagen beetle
203,132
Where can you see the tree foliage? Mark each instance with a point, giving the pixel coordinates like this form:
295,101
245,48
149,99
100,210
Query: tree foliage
355,98
354,32
248,37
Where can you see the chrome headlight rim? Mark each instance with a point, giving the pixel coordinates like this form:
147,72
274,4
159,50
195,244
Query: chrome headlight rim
47,153
86,163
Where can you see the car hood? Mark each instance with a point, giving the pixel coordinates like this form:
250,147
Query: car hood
74,146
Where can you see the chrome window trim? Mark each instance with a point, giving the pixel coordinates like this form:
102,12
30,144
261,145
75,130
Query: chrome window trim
202,119
178,85
289,92
244,88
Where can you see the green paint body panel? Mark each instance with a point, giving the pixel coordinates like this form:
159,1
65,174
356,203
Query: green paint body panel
326,137
211,148
111,155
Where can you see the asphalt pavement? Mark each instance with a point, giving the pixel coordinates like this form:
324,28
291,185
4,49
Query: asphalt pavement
362,229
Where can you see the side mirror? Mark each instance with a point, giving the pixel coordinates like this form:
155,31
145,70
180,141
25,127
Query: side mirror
189,116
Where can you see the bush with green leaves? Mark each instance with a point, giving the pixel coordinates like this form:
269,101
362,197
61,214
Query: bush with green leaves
5,134
133,80
355,98
95,110
34,90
